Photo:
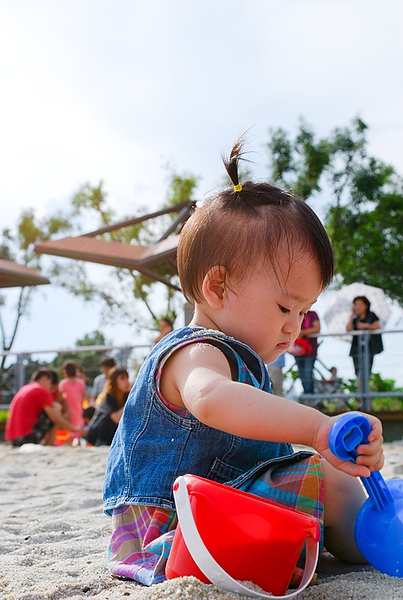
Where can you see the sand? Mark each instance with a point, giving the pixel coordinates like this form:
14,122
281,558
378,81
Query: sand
54,535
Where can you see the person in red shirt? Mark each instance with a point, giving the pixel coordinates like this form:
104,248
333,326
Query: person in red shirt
33,412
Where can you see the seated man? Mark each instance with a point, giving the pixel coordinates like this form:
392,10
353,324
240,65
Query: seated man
107,363
33,412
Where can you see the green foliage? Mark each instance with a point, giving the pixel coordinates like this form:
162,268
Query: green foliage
138,285
180,187
332,405
96,338
376,384
364,200
132,286
30,231
123,294
93,198
19,246
89,360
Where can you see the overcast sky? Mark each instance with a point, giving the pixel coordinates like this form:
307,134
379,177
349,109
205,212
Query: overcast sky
95,89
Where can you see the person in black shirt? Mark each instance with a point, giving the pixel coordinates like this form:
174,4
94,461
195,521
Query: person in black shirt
109,408
362,318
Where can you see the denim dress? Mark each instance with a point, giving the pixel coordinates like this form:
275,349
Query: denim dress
156,442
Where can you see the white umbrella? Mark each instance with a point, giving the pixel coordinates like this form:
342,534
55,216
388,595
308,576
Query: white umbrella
338,309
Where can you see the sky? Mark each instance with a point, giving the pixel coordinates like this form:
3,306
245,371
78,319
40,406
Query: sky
114,91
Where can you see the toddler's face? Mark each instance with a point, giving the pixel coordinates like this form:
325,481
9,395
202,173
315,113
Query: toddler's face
266,314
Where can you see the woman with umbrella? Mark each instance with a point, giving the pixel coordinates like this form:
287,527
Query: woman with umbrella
362,318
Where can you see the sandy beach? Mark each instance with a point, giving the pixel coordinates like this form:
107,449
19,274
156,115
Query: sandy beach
54,535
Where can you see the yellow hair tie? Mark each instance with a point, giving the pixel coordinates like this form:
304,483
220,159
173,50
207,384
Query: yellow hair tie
238,188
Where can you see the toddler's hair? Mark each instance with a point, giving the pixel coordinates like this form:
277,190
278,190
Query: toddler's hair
247,227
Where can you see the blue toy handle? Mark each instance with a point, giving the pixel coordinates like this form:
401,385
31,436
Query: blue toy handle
351,430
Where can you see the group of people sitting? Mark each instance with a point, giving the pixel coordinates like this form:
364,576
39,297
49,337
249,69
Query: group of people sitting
43,407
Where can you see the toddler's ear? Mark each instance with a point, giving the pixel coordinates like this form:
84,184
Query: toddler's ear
214,285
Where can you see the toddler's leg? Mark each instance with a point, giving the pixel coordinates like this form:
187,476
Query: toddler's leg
344,496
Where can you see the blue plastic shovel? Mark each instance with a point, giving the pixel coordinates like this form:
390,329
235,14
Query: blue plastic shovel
379,526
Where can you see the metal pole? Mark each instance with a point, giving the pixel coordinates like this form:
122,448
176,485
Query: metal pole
363,359
123,356
19,372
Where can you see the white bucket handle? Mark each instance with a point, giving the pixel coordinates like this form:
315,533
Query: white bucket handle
210,567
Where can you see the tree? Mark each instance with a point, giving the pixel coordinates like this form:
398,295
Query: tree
364,211
127,287
124,294
88,359
19,246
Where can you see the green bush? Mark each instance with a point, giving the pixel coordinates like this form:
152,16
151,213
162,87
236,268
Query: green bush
3,416
377,384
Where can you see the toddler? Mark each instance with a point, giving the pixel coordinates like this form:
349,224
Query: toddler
252,260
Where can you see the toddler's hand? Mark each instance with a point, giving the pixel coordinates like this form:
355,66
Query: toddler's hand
370,456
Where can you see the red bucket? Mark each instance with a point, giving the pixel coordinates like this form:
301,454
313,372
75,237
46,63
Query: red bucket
241,536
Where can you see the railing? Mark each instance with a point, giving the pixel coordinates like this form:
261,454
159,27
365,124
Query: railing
122,354
363,395
131,356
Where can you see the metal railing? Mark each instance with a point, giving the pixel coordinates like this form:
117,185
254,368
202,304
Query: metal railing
122,355
363,395
131,357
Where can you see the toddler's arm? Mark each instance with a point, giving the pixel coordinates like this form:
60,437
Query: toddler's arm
198,377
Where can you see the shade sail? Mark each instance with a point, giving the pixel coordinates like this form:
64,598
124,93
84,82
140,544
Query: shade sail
123,255
13,274
115,254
